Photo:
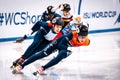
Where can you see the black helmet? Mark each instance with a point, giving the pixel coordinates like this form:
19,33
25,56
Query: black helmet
83,29
58,21
66,7
50,10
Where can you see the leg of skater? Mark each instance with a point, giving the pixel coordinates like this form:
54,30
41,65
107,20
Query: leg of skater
30,50
62,54
45,52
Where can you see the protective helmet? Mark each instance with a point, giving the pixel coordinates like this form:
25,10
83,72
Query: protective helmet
58,21
77,19
83,29
50,10
66,7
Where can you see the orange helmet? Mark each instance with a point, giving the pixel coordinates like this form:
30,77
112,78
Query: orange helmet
77,19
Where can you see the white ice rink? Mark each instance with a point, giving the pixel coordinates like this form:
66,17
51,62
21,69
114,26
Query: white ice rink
99,61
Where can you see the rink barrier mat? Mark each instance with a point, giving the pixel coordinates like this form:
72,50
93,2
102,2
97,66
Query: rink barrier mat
90,32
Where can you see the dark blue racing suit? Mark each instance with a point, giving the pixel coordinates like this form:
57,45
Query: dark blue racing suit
44,17
39,41
61,44
45,52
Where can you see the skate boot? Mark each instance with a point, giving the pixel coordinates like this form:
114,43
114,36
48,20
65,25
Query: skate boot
17,69
40,70
21,39
17,62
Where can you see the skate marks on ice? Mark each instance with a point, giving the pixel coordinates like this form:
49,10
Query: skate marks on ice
49,74
46,75
21,47
96,62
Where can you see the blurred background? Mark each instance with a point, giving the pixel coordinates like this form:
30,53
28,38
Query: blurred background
99,61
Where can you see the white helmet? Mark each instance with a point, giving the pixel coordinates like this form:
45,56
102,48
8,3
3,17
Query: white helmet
77,19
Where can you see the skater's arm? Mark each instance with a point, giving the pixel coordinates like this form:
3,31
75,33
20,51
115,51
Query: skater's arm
57,15
45,24
43,17
64,43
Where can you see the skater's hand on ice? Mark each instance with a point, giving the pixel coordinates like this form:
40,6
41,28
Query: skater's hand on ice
69,48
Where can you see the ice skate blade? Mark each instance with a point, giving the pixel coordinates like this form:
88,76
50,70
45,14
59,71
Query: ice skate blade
38,74
35,73
17,42
43,74
12,67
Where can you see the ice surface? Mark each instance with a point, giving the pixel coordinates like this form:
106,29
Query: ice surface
98,61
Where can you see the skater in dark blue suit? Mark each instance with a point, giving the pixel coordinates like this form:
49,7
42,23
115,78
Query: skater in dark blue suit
47,33
47,15
73,39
